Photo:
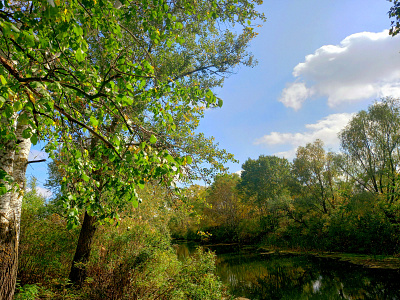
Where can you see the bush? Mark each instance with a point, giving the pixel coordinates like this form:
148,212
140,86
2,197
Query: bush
139,263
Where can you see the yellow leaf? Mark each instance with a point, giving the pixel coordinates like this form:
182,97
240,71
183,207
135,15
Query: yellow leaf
32,98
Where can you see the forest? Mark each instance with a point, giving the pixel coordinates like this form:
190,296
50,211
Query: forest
345,202
115,91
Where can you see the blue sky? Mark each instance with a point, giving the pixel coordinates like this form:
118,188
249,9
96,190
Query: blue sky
351,62
288,100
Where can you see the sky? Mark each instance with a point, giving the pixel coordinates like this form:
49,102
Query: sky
319,62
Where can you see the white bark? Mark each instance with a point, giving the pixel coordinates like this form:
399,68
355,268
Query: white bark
13,160
7,157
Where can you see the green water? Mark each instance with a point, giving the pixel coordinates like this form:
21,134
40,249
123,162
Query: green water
273,276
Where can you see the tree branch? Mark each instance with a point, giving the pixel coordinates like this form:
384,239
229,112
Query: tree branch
35,161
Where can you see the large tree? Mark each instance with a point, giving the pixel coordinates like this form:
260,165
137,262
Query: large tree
371,145
224,207
94,78
371,153
317,173
265,183
265,180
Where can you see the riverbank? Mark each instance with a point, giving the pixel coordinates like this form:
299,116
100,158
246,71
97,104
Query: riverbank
368,261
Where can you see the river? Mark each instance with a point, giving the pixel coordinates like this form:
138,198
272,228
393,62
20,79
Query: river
259,276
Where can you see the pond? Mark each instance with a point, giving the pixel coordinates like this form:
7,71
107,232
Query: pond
260,276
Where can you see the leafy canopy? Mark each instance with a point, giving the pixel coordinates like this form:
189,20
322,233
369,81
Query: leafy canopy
114,87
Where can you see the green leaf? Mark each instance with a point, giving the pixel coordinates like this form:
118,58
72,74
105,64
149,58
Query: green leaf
135,203
80,55
26,134
85,177
34,138
94,121
17,106
126,100
3,80
3,189
153,139
189,159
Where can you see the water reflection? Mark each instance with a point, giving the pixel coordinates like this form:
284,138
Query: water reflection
274,276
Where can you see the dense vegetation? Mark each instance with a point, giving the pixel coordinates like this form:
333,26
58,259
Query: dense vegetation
347,201
134,260
115,90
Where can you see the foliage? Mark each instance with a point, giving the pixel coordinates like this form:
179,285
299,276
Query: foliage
134,260
346,202
96,78
394,12
116,89
46,245
317,173
187,212
265,179
224,208
371,144
28,292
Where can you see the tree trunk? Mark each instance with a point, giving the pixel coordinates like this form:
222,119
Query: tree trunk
8,259
78,274
13,160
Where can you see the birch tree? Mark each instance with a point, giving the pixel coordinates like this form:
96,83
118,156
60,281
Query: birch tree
92,71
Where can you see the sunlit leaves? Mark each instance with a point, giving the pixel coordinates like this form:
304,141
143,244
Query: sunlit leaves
109,85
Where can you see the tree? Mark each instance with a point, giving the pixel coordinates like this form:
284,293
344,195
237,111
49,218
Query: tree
82,75
317,174
224,205
371,147
265,179
371,144
394,12
265,183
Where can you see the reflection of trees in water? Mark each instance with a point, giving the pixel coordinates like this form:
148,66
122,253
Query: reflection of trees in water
300,277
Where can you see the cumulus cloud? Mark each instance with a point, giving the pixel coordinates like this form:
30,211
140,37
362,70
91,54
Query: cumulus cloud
326,129
362,66
295,94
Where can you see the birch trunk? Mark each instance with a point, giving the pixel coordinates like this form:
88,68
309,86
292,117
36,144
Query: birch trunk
13,160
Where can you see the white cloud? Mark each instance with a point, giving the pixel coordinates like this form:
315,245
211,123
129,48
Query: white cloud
326,130
37,155
44,192
290,154
295,94
239,173
362,66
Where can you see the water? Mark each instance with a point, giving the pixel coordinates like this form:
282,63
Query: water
272,276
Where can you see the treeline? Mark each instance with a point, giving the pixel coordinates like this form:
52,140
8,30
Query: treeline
346,201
